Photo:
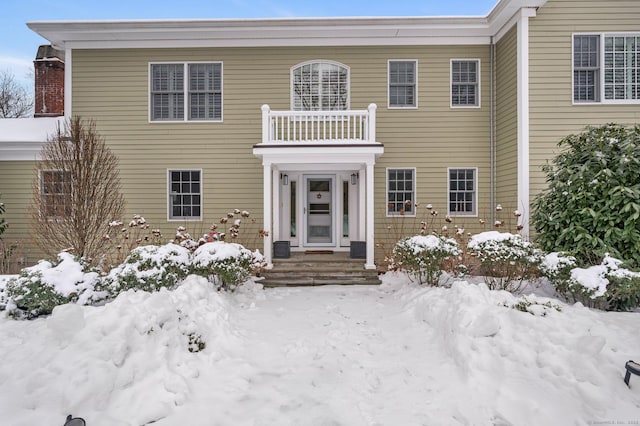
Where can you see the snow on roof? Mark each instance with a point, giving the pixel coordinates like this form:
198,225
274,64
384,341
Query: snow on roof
28,129
22,138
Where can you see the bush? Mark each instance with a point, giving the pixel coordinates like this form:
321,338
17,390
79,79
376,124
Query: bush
46,285
605,286
592,204
148,268
422,257
225,264
506,259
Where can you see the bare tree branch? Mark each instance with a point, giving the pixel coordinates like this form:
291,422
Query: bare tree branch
15,102
80,195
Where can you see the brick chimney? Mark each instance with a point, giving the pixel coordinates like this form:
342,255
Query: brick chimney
49,82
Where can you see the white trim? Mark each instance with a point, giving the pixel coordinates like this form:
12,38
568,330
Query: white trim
475,190
334,31
523,120
370,213
409,107
68,65
184,219
267,212
478,83
386,193
319,61
185,91
601,73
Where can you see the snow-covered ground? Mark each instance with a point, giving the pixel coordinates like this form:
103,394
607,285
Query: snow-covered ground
396,354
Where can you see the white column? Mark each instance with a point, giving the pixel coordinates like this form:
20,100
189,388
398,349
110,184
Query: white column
267,210
362,204
372,122
67,83
266,125
369,264
523,117
276,182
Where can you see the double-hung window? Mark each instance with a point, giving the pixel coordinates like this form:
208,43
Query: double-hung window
606,68
462,192
186,91
55,193
402,84
185,194
465,83
401,190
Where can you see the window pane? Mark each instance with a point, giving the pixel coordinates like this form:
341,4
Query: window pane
400,195
402,83
185,198
462,191
464,83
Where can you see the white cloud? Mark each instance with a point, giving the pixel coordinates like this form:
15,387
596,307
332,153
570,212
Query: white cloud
21,68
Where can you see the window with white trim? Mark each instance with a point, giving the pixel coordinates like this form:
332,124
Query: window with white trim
465,83
606,68
462,191
320,86
185,194
401,184
192,87
402,84
55,192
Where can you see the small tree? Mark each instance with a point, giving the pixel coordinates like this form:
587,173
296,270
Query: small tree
77,191
14,100
592,204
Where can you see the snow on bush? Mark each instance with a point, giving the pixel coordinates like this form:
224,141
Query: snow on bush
149,268
227,264
605,286
507,260
42,287
422,256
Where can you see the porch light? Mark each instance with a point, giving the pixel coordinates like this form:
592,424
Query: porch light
354,178
285,179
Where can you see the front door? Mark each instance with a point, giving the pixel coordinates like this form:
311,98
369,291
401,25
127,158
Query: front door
319,210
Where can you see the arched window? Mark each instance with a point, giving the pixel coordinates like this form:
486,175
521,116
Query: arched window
319,85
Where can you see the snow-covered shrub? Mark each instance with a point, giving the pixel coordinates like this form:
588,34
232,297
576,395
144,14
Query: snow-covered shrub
592,204
148,268
422,256
42,287
226,264
605,286
506,259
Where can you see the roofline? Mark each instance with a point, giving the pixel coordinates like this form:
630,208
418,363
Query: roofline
257,32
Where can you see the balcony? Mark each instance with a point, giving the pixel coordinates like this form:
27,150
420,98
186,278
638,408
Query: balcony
346,127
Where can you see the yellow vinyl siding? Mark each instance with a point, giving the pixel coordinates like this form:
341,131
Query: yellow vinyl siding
16,179
111,86
507,121
552,114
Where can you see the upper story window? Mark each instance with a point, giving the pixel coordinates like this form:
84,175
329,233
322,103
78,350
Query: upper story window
465,83
186,92
606,68
402,84
401,190
319,85
55,192
462,192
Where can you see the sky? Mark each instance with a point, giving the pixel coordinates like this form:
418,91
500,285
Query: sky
18,44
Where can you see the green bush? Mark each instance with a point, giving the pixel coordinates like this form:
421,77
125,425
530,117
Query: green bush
592,203
148,268
225,264
507,260
422,257
607,286
42,287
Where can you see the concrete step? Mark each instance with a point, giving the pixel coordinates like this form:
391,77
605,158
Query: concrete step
303,269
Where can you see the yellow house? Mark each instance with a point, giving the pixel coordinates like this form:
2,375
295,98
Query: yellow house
330,129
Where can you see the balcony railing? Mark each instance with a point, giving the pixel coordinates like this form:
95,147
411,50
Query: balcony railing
319,127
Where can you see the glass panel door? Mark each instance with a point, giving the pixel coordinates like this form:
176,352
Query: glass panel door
319,211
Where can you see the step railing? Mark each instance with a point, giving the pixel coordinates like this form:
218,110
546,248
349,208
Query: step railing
318,127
